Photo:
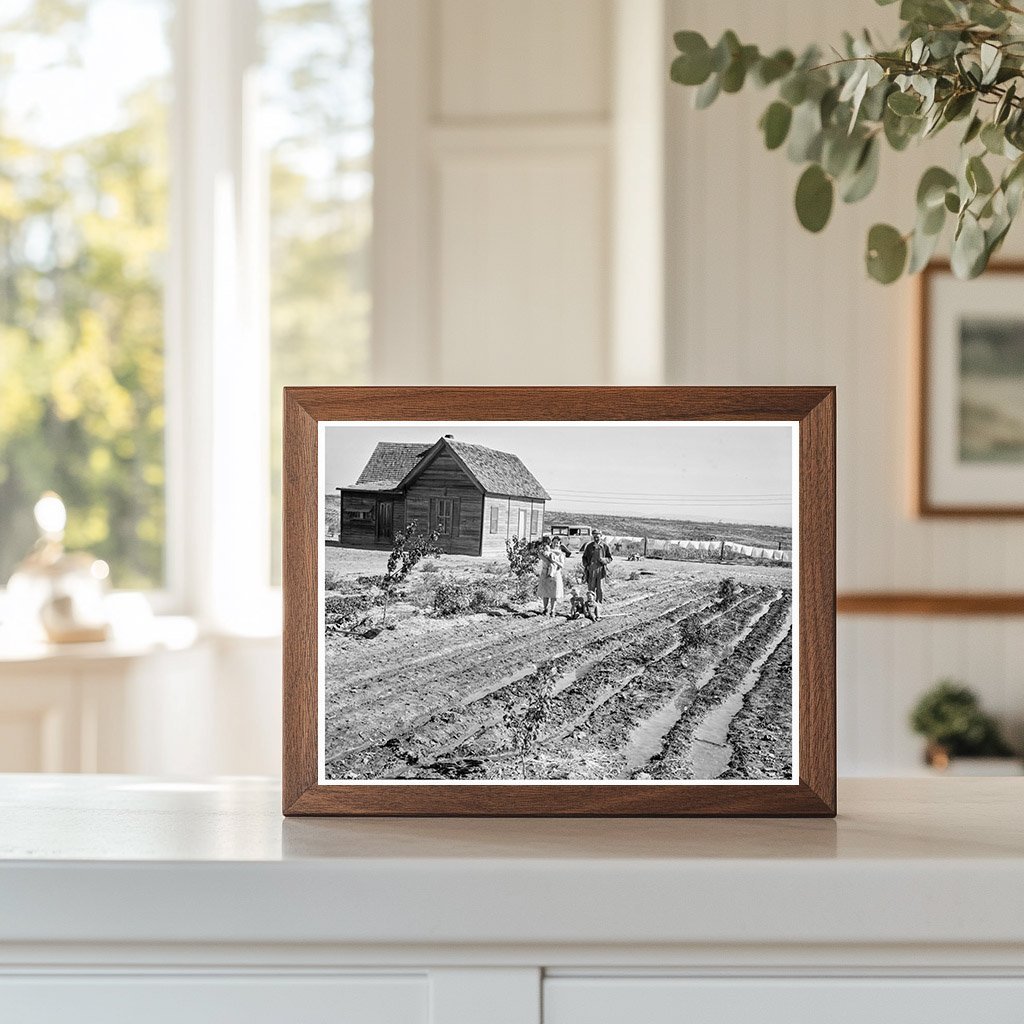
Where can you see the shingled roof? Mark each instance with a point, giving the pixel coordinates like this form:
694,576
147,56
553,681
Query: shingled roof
499,472
390,463
496,472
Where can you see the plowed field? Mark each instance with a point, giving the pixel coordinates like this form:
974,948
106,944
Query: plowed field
676,681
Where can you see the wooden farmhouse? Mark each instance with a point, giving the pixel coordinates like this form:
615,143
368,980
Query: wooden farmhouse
474,497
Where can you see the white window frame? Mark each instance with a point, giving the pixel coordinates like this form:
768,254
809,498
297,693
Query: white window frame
216,328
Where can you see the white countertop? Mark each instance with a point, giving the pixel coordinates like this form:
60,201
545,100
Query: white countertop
120,859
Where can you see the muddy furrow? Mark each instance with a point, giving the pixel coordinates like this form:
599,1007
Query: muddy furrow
503,665
596,712
676,758
455,729
761,734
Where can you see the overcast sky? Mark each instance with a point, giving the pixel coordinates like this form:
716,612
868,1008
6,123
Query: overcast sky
713,471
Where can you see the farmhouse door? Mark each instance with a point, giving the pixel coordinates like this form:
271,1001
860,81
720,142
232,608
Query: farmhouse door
385,520
521,526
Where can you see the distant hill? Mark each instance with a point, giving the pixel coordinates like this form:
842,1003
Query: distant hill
676,529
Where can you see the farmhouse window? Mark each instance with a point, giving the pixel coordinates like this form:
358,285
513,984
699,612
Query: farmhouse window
534,523
444,515
494,519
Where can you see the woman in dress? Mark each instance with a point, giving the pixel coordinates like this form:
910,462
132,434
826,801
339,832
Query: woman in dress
550,587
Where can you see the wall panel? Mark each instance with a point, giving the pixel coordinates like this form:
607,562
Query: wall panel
754,299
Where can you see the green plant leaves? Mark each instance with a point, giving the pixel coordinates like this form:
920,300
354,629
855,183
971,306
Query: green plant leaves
957,60
931,191
771,69
904,103
886,254
814,196
865,173
693,65
978,176
969,255
805,133
775,122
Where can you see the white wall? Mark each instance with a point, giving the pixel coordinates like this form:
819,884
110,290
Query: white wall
518,239
507,137
754,299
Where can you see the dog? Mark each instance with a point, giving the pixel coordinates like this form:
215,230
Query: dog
582,602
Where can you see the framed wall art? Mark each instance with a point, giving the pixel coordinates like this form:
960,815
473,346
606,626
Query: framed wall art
970,422
559,601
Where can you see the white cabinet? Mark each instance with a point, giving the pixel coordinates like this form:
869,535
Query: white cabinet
652,1000
126,899
203,999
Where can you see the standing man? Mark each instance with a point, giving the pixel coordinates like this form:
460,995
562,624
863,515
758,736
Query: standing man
596,556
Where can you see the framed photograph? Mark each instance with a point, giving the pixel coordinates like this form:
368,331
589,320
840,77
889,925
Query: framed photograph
559,601
970,445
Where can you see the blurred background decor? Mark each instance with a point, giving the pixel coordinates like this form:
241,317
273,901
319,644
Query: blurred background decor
961,736
56,594
971,393
252,193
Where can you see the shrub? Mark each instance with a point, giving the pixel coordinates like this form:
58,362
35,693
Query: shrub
429,566
522,555
726,592
484,597
451,598
694,633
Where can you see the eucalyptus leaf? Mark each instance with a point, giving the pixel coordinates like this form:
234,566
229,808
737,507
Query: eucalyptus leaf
886,253
931,190
865,173
1005,105
805,133
922,248
978,176
814,196
707,93
968,247
794,88
973,130
904,103
987,15
725,49
991,60
771,69
993,138
775,124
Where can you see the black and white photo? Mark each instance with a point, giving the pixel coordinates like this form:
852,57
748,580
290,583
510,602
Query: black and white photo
558,602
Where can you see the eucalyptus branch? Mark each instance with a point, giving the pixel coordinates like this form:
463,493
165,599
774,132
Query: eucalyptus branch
954,61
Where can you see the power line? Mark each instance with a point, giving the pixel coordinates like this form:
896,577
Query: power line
676,494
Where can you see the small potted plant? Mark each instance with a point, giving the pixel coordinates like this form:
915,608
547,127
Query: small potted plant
950,718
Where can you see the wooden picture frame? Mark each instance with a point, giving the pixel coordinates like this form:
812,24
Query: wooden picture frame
925,502
811,410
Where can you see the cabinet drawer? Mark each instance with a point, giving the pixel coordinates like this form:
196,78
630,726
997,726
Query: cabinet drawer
783,1001
202,999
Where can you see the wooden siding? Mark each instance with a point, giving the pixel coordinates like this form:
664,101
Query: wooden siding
357,532
445,478
508,513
